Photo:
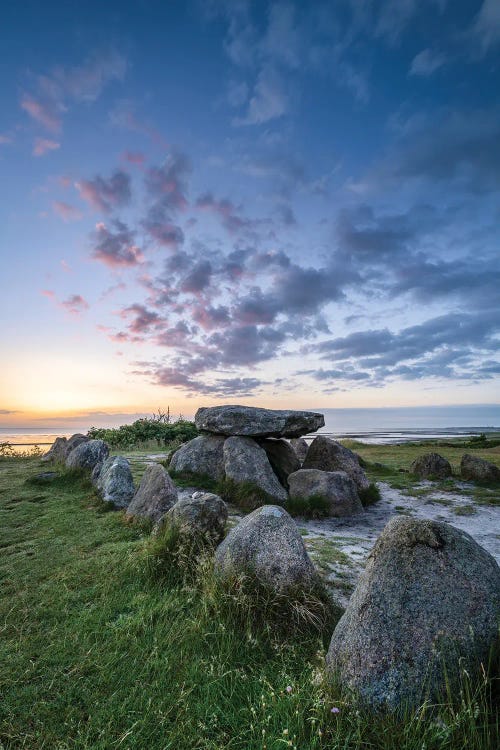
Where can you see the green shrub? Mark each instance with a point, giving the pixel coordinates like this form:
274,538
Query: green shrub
315,506
149,429
370,495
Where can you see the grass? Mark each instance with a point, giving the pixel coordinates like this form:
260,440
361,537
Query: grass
391,464
97,654
315,506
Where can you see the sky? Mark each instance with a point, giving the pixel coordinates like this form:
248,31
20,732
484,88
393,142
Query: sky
286,204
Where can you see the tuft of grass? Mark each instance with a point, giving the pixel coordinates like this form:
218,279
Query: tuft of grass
191,479
245,495
315,506
246,604
370,495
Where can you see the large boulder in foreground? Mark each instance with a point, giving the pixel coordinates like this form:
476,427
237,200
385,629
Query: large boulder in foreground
429,595
282,457
328,455
431,465
203,455
113,480
245,462
267,544
253,422
478,470
201,518
336,487
156,494
87,455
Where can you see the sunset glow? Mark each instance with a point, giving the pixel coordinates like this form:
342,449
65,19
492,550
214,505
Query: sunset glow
280,203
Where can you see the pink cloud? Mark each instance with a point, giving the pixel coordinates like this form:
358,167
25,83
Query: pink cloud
5,139
52,92
42,112
43,146
66,212
66,267
105,194
48,293
134,157
75,304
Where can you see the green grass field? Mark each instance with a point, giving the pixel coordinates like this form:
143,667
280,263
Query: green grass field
97,654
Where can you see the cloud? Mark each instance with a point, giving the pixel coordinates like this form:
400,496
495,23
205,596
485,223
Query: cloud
486,27
230,216
134,157
106,194
5,139
142,320
426,63
116,247
367,237
9,411
46,113
167,185
448,346
269,101
282,39
44,145
66,211
75,304
166,190
52,93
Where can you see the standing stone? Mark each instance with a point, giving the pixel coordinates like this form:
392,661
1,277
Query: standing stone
431,465
253,422
245,461
336,487
57,451
267,544
87,455
114,481
203,455
282,458
155,496
478,470
300,447
74,441
429,596
201,517
328,455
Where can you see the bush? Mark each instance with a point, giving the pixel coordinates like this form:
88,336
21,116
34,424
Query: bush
157,428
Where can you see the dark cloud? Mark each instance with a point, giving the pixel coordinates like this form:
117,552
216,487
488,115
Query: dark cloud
141,319
106,194
457,147
447,346
368,237
116,247
198,278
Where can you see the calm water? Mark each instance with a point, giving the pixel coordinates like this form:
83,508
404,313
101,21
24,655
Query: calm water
389,425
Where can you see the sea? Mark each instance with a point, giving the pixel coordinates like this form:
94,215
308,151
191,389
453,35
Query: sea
373,425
